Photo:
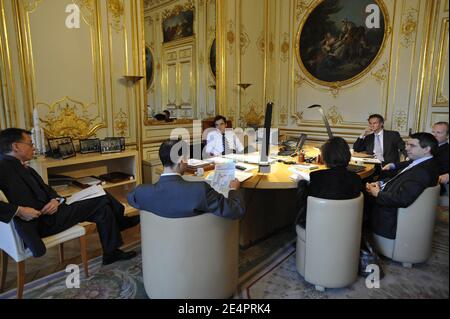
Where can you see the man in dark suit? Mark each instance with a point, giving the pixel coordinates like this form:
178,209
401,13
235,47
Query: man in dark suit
440,132
402,190
336,182
173,197
38,211
384,144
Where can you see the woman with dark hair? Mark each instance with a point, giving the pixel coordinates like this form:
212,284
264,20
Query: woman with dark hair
336,182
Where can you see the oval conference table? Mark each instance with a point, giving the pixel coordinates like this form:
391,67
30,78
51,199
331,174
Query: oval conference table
270,201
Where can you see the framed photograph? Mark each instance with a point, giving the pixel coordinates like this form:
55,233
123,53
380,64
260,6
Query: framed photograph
110,145
336,44
66,150
179,24
90,146
54,143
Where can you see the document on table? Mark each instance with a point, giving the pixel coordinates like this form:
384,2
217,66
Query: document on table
365,160
299,173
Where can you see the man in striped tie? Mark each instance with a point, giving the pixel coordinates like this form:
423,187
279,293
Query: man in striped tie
223,140
410,180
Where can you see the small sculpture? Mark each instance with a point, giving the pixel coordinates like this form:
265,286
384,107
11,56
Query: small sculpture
38,135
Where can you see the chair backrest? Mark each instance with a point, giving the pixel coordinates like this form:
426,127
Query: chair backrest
10,241
194,257
333,235
415,227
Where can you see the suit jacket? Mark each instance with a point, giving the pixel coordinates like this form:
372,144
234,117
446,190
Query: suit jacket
442,158
22,186
401,192
392,145
173,197
334,183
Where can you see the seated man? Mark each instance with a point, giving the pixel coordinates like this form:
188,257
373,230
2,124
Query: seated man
336,182
38,211
403,189
384,144
173,197
222,141
440,132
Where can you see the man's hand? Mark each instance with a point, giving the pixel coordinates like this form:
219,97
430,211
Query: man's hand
28,213
235,184
373,188
368,131
388,167
50,208
443,179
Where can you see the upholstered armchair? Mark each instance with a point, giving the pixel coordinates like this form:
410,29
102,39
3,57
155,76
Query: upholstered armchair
415,227
328,248
12,245
189,258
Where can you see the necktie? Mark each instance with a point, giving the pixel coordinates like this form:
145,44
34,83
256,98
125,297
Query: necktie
377,149
226,147
401,172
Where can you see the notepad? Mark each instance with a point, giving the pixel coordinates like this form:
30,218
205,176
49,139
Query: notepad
87,193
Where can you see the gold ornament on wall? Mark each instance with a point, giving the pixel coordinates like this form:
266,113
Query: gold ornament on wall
261,44
284,49
230,37
334,116
121,123
381,75
409,27
71,120
87,8
31,5
252,117
244,41
302,6
116,8
400,121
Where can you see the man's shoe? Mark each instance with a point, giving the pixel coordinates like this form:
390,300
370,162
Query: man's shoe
129,222
118,255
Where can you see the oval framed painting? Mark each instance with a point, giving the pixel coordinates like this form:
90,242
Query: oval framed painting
212,59
149,66
338,42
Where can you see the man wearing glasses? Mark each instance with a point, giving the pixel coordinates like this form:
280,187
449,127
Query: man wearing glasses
38,211
222,141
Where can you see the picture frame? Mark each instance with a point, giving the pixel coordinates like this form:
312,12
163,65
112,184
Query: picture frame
111,145
122,141
334,44
54,143
90,146
179,24
66,150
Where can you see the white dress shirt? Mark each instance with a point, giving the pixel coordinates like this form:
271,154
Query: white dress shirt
214,143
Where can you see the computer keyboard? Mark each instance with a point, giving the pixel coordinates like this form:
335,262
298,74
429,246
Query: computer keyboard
355,168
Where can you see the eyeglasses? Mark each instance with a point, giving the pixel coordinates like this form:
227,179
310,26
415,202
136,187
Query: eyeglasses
29,144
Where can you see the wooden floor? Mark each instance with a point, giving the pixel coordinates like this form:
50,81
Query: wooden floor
36,268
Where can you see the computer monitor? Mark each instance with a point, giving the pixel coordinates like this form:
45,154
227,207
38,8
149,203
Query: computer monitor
264,166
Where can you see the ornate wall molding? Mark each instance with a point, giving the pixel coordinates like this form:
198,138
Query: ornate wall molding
251,115
409,27
335,116
31,5
87,8
261,44
400,121
301,8
284,48
121,123
231,38
68,117
381,75
116,9
244,41
176,10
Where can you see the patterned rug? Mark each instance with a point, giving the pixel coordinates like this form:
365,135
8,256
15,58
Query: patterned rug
267,271
430,280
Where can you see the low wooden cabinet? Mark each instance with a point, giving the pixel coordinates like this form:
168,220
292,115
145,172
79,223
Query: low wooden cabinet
95,165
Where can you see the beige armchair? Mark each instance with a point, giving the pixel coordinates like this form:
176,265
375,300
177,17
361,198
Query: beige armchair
328,249
189,258
415,227
12,245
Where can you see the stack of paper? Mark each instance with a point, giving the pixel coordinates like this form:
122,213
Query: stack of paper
87,193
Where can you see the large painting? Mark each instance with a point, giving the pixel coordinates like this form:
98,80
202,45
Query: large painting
149,66
336,45
178,25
